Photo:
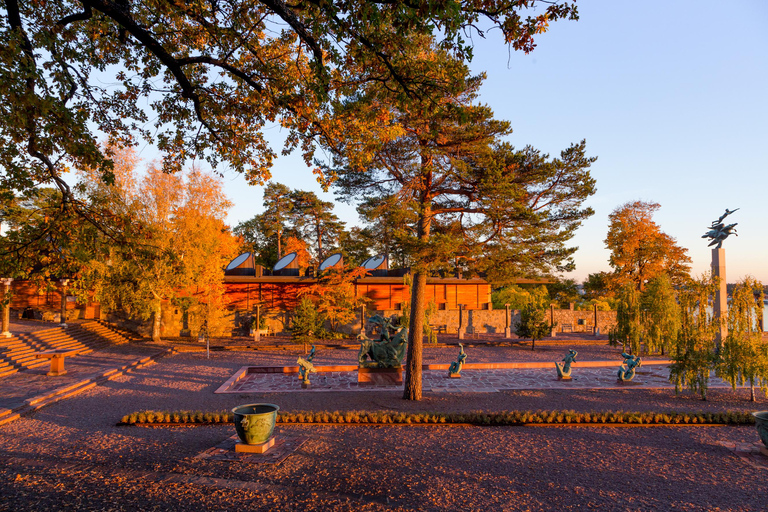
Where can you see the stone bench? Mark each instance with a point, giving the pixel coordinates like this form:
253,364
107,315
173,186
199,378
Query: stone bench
57,360
439,328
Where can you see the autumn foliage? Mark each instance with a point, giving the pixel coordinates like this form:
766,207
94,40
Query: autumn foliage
639,249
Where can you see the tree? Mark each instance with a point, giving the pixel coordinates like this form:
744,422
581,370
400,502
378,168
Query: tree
640,250
502,210
596,286
277,209
390,224
355,245
661,314
213,75
517,297
177,245
693,353
533,323
628,329
316,222
299,246
306,322
564,291
334,295
255,240
744,355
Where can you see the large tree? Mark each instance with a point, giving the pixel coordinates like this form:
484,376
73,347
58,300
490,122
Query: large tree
173,243
442,157
315,220
639,249
277,209
201,80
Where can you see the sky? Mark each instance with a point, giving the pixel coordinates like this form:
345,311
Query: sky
671,98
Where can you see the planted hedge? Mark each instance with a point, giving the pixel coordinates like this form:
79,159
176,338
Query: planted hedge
506,418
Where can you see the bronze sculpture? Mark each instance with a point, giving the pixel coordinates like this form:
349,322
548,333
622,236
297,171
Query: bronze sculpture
455,369
564,369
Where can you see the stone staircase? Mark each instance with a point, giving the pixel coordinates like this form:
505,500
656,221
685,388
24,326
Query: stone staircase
18,352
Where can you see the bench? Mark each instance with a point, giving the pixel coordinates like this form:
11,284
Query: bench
439,328
57,360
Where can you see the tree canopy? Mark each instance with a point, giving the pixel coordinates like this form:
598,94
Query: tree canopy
473,200
640,250
201,80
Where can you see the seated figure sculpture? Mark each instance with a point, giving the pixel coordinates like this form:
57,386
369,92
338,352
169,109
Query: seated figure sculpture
564,369
631,363
388,351
455,369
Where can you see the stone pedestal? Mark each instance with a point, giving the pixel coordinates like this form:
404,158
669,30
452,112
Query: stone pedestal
454,375
57,360
241,447
379,376
720,308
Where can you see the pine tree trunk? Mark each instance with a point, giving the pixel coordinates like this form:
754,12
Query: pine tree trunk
156,316
412,388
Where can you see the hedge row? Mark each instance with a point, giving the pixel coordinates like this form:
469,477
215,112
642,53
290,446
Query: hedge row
476,418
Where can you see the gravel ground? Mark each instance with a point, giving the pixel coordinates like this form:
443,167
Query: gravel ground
72,456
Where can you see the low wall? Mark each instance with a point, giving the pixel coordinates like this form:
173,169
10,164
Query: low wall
482,321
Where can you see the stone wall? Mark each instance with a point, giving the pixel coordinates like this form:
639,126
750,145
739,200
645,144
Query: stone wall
236,323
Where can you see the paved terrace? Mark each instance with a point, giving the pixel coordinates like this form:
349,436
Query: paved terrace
71,455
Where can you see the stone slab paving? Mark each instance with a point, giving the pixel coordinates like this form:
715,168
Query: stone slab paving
751,453
29,383
286,442
471,381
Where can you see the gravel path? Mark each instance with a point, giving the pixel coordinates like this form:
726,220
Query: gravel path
71,454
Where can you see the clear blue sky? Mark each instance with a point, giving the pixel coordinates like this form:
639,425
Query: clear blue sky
671,97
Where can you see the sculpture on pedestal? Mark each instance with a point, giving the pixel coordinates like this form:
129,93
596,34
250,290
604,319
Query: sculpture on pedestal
718,231
564,369
388,351
455,369
627,368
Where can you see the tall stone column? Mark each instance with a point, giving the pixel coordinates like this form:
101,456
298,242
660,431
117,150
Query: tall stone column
552,330
6,333
63,283
720,309
461,322
596,329
507,323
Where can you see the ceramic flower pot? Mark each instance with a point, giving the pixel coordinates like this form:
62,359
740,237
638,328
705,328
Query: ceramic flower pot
761,422
255,422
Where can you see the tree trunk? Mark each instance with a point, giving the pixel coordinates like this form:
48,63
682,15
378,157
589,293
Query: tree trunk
412,388
156,316
415,338
279,243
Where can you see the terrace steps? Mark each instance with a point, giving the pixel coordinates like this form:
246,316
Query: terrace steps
18,352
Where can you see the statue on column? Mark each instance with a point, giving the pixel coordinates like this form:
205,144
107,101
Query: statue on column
718,231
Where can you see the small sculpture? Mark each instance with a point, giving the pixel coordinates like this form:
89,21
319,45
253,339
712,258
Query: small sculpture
564,369
454,371
718,231
631,362
388,351
306,367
